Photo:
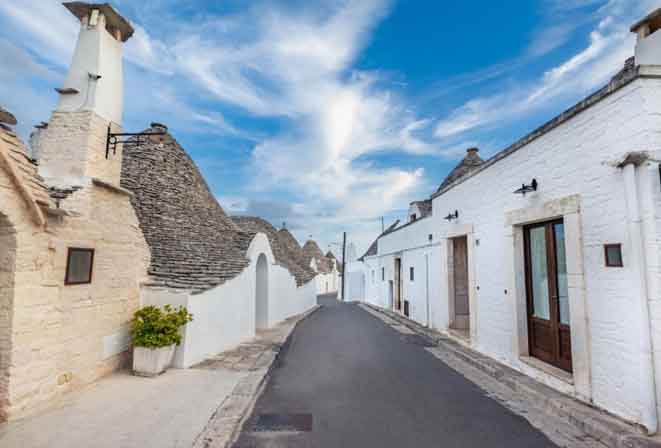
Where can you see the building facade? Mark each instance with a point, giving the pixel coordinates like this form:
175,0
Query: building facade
99,226
546,256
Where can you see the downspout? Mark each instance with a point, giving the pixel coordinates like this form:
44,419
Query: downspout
649,417
427,289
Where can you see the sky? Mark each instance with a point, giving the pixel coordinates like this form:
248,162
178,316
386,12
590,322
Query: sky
328,115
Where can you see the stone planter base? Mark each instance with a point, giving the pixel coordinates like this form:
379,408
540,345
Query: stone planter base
152,361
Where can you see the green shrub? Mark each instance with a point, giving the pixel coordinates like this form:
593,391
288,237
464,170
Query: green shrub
153,327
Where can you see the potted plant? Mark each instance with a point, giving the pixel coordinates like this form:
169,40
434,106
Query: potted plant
155,334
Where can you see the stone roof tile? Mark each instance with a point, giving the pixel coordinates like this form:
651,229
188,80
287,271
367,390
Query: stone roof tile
194,244
283,253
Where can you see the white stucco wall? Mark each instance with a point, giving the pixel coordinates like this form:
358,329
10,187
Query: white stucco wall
224,317
570,161
99,53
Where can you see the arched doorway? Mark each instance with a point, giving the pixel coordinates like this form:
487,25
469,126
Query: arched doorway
7,274
262,293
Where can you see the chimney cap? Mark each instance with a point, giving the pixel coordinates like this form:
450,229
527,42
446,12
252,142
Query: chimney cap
114,20
158,126
7,117
653,19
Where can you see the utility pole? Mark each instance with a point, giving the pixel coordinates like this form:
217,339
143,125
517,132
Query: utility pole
344,261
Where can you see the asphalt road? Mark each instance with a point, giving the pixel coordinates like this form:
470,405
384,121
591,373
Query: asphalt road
348,380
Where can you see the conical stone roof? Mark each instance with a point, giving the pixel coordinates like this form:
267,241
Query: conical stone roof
311,250
471,161
194,244
285,256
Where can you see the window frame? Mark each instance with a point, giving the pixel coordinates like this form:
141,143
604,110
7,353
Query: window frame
411,273
67,281
383,274
606,260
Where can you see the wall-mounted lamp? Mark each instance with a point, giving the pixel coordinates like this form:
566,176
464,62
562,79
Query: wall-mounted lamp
527,188
452,216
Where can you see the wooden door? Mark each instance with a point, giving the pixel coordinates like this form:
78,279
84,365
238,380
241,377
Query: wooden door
398,283
549,332
460,278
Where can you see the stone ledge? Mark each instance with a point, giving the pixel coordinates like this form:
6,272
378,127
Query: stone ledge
114,188
548,403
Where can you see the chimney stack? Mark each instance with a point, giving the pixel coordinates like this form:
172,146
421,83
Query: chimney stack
648,45
72,148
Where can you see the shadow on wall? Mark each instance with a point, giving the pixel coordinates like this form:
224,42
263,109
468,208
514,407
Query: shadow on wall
262,293
7,273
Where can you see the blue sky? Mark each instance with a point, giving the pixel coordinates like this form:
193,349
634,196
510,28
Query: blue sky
330,114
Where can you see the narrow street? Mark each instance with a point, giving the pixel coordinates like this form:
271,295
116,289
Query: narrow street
348,380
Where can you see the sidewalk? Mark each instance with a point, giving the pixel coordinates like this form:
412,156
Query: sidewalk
170,411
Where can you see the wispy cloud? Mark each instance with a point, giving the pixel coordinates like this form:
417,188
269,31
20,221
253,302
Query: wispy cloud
609,45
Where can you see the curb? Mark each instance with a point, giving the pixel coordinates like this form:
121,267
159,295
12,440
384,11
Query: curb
603,427
227,421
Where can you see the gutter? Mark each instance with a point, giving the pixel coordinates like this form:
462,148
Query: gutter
632,175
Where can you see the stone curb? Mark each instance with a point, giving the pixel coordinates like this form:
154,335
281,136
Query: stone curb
605,428
225,424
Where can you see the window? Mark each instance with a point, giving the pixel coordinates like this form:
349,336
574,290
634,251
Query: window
613,255
411,273
79,266
383,274
414,217
373,276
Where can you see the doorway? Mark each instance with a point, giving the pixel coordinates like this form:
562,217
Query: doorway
547,296
460,285
398,284
262,293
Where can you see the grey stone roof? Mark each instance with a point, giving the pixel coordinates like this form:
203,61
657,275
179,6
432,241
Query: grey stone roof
424,207
311,250
374,247
26,168
470,162
285,256
7,117
331,256
194,244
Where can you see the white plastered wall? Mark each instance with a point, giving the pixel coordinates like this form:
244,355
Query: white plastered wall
573,163
224,317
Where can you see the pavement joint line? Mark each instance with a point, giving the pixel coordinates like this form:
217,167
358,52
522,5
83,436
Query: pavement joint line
582,425
225,424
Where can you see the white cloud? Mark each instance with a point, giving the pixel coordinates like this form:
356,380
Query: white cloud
610,44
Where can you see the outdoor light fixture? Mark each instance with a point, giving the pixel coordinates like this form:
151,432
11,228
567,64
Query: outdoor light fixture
128,138
452,216
527,188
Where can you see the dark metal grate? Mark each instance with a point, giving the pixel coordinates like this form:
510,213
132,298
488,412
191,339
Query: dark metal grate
283,422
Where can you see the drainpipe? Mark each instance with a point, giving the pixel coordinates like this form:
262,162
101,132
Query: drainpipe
649,417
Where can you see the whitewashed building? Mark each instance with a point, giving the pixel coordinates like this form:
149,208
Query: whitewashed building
326,266
547,256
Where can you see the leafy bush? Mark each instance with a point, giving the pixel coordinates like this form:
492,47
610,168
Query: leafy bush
152,327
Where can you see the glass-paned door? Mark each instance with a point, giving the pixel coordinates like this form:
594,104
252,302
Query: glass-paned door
547,293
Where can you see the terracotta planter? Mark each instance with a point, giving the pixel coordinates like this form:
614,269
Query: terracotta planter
152,361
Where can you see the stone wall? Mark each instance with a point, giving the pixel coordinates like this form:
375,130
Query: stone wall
73,146
7,266
64,337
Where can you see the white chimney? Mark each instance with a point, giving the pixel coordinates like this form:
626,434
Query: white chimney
648,45
73,145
